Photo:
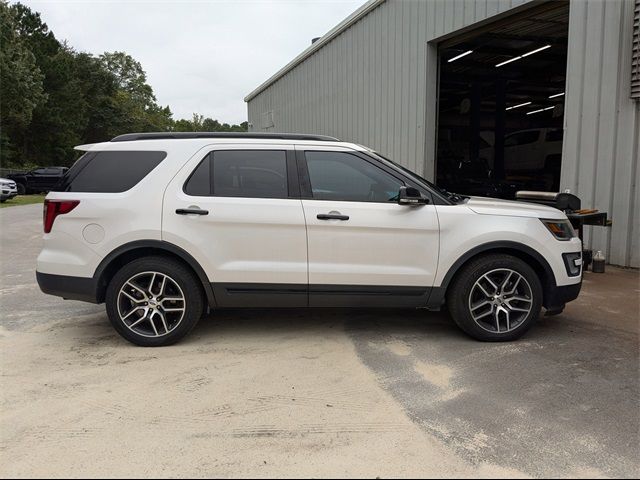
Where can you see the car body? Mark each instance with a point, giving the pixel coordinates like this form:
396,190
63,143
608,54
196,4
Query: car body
8,189
288,221
38,180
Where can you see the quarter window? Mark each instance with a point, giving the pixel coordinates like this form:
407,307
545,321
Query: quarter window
345,177
109,171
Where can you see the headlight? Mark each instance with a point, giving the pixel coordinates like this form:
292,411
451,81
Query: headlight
561,229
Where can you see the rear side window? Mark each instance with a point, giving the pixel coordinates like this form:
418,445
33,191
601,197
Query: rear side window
110,172
240,173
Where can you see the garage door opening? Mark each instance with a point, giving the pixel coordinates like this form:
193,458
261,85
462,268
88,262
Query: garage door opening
501,105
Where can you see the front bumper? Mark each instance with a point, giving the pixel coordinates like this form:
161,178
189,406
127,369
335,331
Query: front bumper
67,287
557,297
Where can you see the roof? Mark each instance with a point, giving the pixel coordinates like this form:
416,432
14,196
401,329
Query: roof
314,47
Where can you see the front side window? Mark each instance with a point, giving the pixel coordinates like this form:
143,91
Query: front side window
342,176
240,173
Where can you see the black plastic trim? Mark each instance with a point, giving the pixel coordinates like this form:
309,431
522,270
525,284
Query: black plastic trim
128,137
160,245
260,295
265,295
559,296
71,288
437,297
568,259
366,296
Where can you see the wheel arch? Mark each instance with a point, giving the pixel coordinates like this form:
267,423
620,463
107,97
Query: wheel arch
518,250
143,248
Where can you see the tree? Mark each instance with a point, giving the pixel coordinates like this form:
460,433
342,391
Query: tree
54,97
21,85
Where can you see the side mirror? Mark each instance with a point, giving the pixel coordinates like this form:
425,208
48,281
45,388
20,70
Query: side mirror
411,196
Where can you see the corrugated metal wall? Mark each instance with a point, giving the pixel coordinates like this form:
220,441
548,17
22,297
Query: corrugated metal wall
602,124
376,84
370,84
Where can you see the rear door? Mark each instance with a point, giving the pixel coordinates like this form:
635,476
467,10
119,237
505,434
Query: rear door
364,248
236,210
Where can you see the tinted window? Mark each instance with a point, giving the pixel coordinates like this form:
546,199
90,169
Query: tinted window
342,176
110,172
250,173
199,183
522,138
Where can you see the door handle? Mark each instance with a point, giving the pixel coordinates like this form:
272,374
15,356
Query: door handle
191,211
332,216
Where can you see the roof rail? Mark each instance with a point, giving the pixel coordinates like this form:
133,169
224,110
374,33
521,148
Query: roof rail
128,137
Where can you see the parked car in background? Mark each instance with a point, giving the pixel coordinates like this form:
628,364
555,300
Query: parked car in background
534,149
38,180
163,226
8,189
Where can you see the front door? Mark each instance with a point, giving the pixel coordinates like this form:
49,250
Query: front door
237,211
364,248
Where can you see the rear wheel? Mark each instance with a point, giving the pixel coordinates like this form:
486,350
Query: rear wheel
495,298
154,301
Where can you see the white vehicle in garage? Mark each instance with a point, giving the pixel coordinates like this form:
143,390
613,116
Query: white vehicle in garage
161,227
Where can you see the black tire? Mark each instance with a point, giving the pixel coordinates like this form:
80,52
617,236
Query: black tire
460,291
189,287
22,190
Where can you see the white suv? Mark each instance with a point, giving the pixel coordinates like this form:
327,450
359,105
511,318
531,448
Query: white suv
163,227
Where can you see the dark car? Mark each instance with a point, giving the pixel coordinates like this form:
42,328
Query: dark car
38,180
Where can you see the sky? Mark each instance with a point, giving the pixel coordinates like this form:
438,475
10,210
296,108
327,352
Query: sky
201,56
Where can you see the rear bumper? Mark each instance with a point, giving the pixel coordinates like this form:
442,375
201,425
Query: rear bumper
69,288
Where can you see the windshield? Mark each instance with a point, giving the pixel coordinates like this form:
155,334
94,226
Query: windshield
454,197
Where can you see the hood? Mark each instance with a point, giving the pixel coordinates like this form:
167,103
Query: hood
494,206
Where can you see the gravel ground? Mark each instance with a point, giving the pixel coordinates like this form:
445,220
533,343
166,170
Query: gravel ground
321,393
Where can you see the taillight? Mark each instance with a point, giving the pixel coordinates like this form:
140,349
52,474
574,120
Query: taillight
53,208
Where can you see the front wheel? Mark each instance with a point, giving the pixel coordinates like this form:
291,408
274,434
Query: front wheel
495,298
154,301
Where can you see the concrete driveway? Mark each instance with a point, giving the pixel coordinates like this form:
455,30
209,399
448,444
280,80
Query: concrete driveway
313,393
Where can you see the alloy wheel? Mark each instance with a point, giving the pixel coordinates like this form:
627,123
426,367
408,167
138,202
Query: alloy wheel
500,300
151,304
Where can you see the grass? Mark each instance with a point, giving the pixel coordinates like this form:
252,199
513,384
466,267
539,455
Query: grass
23,200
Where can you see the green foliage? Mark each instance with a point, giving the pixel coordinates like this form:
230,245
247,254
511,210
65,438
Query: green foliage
54,97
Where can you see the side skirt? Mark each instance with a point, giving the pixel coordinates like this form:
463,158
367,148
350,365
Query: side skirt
266,295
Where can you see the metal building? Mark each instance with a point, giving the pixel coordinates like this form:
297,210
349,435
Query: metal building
420,79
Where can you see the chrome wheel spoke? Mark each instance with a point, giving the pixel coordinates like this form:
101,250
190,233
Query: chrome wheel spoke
478,317
481,304
132,298
172,299
487,294
140,320
162,285
135,287
153,324
136,309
